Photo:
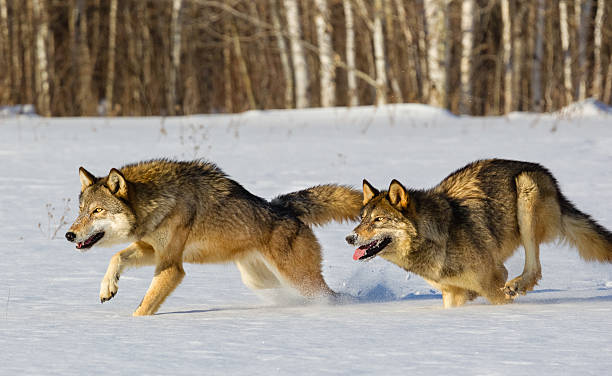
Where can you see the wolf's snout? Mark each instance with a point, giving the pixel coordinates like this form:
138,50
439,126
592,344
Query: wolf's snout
70,236
351,239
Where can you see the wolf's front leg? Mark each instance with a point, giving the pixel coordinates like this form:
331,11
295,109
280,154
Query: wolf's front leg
169,272
136,254
167,278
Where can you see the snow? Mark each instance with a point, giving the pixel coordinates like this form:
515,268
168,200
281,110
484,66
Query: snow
51,321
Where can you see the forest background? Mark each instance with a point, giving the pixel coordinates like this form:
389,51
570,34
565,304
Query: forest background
180,57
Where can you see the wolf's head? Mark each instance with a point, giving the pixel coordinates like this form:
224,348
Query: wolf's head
388,223
104,215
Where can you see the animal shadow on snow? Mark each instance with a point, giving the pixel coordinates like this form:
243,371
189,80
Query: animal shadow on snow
382,294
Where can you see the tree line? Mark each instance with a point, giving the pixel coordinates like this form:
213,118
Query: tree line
173,57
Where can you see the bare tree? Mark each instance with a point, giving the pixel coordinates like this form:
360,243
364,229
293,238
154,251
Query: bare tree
582,12
393,65
353,99
597,39
537,57
297,54
468,8
608,86
565,47
327,69
110,73
27,33
244,73
84,67
413,66
518,53
175,32
437,51
41,77
5,65
284,56
421,27
507,54
379,54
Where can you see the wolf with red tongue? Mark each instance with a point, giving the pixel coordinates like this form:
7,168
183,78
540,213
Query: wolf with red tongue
359,253
458,234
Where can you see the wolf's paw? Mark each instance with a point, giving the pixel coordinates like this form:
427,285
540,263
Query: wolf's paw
109,287
519,285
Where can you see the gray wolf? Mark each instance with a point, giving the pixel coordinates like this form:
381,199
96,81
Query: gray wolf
175,212
458,234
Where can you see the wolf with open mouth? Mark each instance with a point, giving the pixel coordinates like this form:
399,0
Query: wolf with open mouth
176,212
458,234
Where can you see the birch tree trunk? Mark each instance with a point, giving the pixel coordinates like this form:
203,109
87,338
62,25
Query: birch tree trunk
284,56
435,19
537,57
423,52
550,81
467,46
327,69
175,33
413,63
110,72
526,97
5,64
246,79
597,38
144,47
95,35
608,86
567,55
507,55
394,63
227,72
41,77
16,61
297,54
131,92
86,102
353,99
582,12
379,54
518,47
27,34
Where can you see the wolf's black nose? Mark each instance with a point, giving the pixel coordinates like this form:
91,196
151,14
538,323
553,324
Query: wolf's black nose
351,239
70,236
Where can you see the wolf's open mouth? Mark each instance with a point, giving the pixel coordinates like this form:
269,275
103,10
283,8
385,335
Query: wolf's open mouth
366,252
90,241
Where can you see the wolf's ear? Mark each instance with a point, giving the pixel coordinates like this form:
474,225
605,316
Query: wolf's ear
368,192
87,179
116,183
398,195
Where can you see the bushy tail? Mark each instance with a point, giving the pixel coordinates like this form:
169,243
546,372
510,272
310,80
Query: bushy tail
593,241
322,203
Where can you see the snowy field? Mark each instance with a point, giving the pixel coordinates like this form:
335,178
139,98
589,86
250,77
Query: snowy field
52,323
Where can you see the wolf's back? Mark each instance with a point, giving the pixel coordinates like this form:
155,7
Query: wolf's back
322,203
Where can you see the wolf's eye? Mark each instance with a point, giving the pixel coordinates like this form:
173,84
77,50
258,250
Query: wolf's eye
379,219
97,210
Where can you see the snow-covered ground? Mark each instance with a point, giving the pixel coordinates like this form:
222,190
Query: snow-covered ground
51,321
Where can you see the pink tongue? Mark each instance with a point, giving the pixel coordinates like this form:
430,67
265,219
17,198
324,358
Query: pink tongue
359,253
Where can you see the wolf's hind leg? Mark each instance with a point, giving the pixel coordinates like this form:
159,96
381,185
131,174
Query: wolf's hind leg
255,272
492,287
455,296
535,203
136,254
297,257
